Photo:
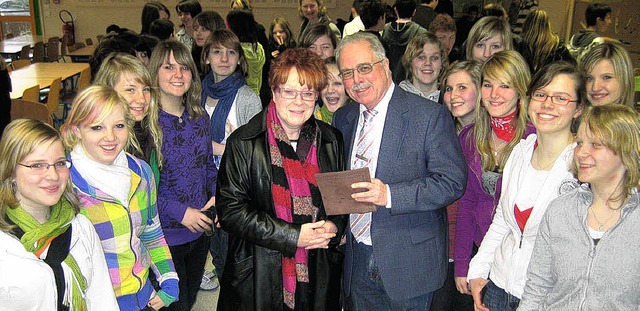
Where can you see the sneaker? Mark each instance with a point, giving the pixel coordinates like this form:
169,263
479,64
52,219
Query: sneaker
208,281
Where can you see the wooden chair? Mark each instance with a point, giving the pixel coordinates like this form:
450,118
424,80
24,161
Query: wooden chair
53,49
53,101
32,94
83,81
26,109
25,52
20,63
38,52
88,41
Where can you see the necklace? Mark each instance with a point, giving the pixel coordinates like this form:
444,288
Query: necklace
601,225
547,166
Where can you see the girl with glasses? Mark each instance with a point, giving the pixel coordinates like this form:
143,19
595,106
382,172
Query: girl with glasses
532,178
278,230
50,257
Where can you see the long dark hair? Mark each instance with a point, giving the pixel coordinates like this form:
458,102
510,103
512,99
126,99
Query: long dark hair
243,24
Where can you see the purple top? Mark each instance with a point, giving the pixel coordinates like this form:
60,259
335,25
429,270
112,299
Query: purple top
188,176
477,207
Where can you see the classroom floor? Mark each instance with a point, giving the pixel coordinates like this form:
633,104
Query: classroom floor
207,300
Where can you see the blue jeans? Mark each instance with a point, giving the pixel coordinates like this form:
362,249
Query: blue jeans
218,248
367,290
497,299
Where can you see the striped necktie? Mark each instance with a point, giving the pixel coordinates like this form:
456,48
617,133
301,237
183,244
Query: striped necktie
360,223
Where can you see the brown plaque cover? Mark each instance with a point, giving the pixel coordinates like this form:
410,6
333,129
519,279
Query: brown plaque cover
336,191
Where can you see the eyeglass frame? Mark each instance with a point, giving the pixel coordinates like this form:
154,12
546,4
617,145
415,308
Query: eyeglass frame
350,72
553,101
298,93
35,168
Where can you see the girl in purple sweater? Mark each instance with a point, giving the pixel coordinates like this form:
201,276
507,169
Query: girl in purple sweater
188,176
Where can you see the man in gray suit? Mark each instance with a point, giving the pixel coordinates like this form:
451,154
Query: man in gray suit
395,257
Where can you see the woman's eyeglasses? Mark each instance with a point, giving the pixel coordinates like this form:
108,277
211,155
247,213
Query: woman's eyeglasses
559,100
309,96
44,167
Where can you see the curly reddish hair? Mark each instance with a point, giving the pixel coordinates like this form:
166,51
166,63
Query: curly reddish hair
310,68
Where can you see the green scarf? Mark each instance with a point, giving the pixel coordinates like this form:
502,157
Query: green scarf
37,237
323,114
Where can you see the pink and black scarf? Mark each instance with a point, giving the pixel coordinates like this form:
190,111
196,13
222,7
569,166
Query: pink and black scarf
296,196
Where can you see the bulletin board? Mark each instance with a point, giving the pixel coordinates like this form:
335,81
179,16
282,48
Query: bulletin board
626,25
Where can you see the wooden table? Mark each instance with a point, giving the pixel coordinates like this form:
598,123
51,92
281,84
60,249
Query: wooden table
18,85
13,46
42,74
82,55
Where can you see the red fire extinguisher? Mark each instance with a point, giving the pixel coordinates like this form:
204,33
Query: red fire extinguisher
68,28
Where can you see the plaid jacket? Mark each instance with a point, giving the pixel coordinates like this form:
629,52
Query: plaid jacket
131,235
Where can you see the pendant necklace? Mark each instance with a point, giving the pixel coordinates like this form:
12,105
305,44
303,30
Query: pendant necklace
601,225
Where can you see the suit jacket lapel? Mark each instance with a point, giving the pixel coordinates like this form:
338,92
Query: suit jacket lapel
350,133
395,127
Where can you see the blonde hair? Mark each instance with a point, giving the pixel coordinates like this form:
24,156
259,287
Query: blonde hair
473,69
539,38
117,65
487,27
618,128
21,137
92,105
510,68
182,55
622,65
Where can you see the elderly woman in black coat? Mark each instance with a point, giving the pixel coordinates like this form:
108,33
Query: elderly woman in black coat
280,238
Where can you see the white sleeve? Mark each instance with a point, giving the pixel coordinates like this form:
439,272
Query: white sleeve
480,264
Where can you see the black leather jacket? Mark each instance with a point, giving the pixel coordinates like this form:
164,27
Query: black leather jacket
252,277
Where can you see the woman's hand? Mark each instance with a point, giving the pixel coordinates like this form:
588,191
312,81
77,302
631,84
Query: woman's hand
316,234
155,303
462,285
476,286
196,221
279,40
275,53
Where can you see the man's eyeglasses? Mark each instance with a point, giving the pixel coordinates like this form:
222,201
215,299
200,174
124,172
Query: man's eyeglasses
362,69
44,167
309,96
556,100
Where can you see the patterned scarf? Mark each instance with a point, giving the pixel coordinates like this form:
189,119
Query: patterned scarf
38,237
295,195
504,127
225,92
